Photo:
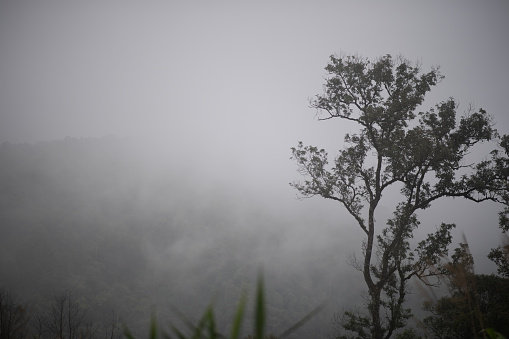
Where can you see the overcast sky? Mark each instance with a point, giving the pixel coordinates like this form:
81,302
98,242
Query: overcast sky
227,83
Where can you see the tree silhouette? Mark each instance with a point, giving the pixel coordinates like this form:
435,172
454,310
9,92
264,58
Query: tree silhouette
422,154
65,319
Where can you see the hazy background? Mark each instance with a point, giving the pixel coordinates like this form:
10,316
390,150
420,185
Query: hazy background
220,89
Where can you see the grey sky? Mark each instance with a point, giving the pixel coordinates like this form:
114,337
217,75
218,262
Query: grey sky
216,70
225,84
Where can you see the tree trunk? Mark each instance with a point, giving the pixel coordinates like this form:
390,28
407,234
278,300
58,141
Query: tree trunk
375,313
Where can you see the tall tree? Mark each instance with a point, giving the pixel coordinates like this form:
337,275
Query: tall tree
422,153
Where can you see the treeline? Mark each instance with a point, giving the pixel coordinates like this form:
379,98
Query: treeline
64,317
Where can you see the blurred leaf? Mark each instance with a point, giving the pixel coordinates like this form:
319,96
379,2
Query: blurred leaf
259,308
239,315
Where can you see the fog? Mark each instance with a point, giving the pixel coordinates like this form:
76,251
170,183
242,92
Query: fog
178,118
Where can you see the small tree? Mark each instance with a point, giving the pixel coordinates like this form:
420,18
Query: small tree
111,327
66,317
422,153
476,303
13,316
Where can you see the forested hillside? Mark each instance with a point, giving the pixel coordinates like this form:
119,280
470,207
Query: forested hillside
92,218
105,231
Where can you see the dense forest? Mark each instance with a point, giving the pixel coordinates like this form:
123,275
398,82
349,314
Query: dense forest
93,229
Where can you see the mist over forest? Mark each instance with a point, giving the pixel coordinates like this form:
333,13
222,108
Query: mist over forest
93,216
131,235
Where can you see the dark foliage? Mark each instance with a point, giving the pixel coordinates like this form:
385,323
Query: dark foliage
477,302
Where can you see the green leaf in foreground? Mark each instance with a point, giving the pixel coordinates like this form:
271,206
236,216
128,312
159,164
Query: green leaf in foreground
239,316
259,309
492,334
206,326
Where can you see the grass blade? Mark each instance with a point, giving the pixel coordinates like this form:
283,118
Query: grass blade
153,328
259,309
239,316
